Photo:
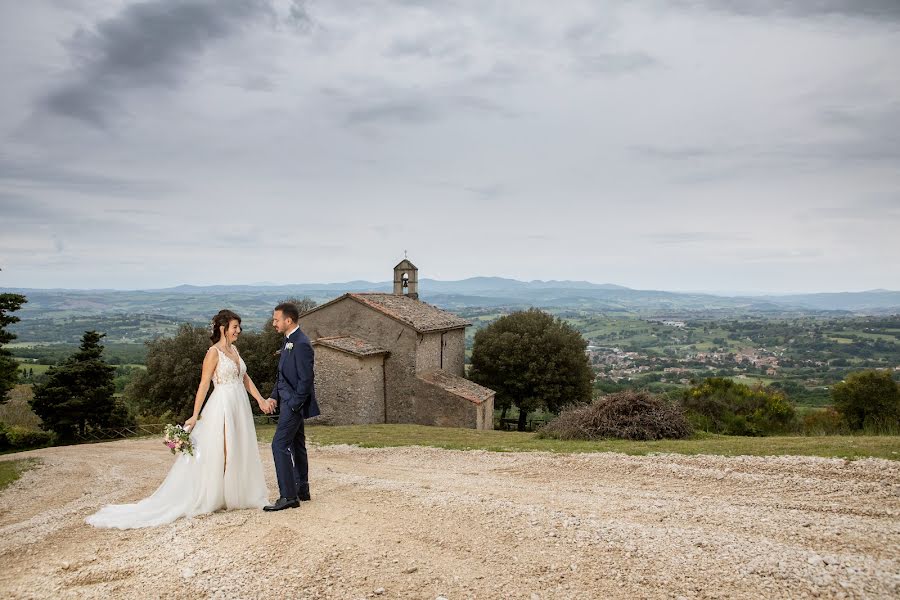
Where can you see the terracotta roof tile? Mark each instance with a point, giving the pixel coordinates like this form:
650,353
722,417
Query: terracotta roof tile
348,343
458,386
421,316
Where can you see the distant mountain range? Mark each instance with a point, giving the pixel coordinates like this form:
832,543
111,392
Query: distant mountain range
197,303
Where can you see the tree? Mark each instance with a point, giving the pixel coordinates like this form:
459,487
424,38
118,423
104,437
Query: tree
78,394
868,398
172,376
721,405
532,360
9,368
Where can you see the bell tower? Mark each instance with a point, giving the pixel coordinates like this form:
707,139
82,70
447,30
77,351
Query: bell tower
406,279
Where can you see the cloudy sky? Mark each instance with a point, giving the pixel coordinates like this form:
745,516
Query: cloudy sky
659,144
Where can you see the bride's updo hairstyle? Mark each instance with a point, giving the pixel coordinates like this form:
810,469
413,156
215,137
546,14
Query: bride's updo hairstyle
223,319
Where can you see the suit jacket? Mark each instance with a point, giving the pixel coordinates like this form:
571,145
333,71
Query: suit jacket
295,388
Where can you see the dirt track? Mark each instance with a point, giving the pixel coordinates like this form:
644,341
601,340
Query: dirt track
426,523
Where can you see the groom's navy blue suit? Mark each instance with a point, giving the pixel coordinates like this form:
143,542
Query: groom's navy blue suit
295,391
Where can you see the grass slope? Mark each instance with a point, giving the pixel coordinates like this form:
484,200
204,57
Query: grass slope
10,470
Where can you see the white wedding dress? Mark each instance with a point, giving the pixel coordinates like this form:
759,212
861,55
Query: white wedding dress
206,481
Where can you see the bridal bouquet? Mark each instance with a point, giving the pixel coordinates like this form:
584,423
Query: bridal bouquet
178,439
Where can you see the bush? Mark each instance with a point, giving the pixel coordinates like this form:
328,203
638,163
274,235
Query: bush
630,415
823,422
722,406
20,438
868,399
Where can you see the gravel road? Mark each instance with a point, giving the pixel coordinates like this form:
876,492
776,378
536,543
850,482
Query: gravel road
429,523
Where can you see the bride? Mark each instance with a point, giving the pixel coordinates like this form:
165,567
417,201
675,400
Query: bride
225,470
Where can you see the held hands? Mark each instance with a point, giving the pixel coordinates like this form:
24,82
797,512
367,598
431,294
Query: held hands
268,406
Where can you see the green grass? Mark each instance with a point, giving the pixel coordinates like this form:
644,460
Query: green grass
37,369
10,470
381,436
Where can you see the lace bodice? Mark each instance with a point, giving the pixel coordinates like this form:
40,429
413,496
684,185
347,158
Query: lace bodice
227,371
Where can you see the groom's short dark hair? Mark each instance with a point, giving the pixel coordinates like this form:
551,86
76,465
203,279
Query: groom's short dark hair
289,311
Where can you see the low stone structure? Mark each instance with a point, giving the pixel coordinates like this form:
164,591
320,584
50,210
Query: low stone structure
391,358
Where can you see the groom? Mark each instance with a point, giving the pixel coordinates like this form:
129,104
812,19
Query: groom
295,390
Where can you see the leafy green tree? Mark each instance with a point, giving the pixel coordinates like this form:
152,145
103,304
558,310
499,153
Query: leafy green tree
169,383
868,399
9,368
532,360
78,394
723,406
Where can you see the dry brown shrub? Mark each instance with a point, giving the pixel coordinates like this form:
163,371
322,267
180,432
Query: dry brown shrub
630,415
16,411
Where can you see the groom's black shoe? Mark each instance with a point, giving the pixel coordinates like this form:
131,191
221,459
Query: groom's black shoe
303,496
282,503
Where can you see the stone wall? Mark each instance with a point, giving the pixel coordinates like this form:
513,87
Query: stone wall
349,317
442,350
455,352
485,414
436,406
439,407
349,388
428,352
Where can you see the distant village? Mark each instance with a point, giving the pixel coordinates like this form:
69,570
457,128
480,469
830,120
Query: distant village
612,363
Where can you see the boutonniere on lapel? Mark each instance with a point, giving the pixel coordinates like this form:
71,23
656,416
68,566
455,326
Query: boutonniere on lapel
289,346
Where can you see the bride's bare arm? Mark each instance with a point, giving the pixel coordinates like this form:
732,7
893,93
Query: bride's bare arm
209,367
254,393
251,387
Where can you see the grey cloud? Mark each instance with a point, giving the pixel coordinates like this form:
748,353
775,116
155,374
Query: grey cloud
299,17
486,192
19,209
417,110
394,111
795,254
424,47
540,237
51,175
134,211
870,135
873,134
65,223
491,191
869,9
885,207
693,237
673,153
146,44
500,73
258,83
612,63
479,104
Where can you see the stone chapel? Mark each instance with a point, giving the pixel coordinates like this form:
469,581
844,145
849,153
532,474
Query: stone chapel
391,358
